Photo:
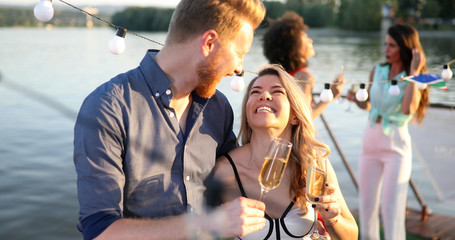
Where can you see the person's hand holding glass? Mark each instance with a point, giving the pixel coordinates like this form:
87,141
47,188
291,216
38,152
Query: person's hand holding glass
350,96
274,165
315,188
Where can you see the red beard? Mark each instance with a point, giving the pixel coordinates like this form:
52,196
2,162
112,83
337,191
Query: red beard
209,76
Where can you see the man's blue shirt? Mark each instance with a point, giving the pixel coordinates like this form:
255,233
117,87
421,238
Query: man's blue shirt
131,156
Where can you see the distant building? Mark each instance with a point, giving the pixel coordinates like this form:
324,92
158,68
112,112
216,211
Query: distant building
89,19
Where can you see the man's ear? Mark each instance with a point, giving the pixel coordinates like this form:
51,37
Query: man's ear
208,42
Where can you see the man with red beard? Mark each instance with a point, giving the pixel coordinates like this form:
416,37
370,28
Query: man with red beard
145,141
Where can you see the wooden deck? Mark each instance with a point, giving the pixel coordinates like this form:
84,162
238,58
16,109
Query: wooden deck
434,226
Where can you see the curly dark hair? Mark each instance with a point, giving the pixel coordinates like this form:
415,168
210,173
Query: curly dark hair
282,41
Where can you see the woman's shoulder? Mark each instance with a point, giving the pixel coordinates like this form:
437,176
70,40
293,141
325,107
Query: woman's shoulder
224,167
225,171
304,74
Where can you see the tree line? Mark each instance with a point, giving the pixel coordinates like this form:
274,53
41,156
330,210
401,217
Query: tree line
24,17
358,15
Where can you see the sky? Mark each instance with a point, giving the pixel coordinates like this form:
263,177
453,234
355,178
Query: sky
84,3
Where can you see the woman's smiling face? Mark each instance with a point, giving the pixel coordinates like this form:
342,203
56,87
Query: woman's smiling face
268,105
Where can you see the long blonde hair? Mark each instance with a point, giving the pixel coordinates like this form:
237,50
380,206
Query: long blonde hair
305,145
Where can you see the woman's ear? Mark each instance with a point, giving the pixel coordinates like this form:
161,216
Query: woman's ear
294,121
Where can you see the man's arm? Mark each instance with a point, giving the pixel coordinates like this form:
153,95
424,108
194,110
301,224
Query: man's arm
236,218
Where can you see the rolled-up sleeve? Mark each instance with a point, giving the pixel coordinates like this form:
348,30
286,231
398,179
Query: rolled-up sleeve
98,150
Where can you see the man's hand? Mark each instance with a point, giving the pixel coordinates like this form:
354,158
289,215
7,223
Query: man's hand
236,218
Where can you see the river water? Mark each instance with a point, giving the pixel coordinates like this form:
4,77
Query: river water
46,74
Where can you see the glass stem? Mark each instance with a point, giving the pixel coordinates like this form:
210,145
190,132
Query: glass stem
263,193
315,229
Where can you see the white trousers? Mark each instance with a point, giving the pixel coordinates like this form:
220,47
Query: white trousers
385,162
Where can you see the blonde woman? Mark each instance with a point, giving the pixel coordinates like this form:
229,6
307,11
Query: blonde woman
273,107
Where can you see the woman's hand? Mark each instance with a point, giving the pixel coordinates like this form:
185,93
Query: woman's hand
329,206
350,96
417,62
337,85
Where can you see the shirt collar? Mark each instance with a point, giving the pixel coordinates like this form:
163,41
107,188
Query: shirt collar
155,77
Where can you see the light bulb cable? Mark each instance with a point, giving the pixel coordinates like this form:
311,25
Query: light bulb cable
247,71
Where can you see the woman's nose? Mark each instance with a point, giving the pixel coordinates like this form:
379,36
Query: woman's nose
266,96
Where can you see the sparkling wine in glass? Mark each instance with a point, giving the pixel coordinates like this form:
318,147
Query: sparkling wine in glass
274,165
315,187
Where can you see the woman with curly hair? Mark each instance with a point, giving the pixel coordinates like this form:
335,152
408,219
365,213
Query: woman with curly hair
287,43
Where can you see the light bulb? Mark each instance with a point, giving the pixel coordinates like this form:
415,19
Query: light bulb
238,82
393,89
326,94
44,11
117,43
446,73
421,86
361,94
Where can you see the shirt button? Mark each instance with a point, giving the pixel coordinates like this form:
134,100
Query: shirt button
171,114
187,178
168,92
157,94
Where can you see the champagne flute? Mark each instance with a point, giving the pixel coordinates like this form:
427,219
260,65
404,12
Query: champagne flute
315,187
274,165
352,91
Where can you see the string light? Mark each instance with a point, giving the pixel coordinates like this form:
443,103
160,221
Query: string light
446,73
362,94
394,90
326,94
238,82
117,43
44,11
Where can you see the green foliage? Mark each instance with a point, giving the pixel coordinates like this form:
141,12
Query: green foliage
24,17
13,17
360,15
430,9
274,9
406,8
443,9
318,15
447,9
144,19
314,14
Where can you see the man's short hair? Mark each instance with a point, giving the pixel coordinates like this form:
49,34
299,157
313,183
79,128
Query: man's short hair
193,17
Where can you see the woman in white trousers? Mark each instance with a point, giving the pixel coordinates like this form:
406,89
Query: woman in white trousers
386,158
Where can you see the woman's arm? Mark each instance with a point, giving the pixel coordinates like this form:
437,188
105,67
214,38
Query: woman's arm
307,84
411,99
